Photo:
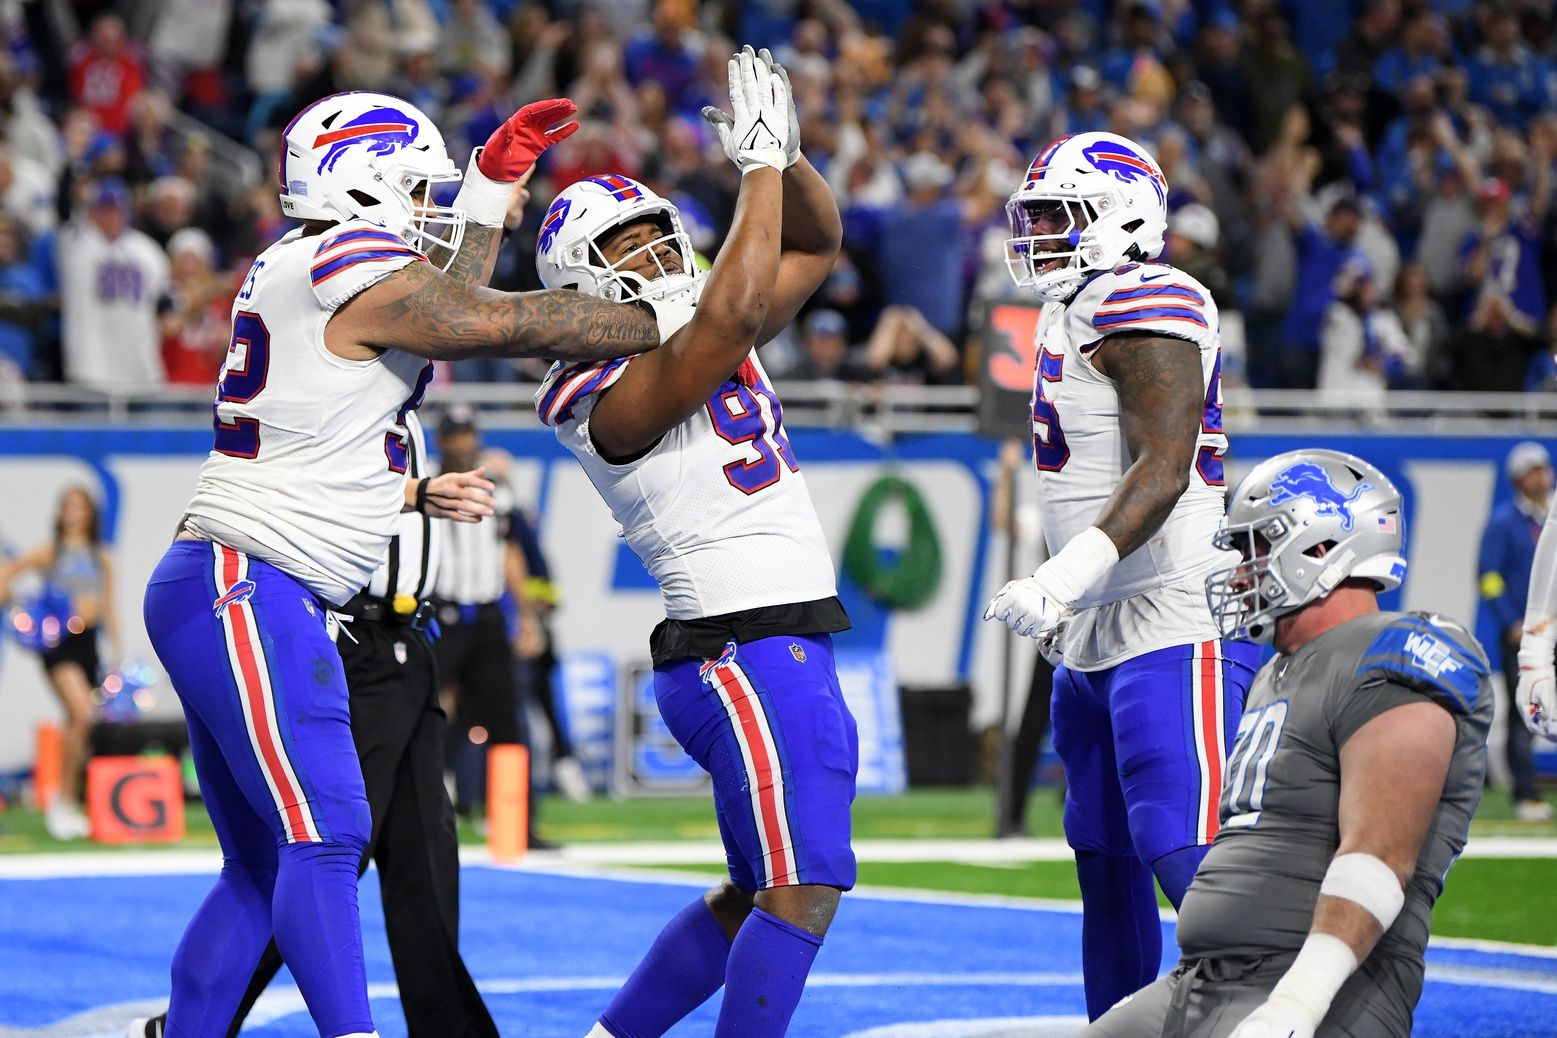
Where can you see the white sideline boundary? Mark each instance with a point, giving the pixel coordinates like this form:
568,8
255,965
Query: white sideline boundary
60,864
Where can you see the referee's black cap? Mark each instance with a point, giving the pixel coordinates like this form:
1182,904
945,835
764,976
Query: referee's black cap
459,418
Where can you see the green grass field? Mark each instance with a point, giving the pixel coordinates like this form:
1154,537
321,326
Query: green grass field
1477,902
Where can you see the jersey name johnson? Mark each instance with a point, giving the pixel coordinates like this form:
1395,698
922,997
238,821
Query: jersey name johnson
308,460
718,510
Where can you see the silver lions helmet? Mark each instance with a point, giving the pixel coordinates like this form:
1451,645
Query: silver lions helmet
1303,522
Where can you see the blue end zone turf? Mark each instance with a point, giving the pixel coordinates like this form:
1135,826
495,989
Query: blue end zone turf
84,955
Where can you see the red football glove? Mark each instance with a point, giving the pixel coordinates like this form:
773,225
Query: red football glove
514,146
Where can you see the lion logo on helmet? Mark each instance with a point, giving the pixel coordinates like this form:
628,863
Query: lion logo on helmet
1309,479
386,130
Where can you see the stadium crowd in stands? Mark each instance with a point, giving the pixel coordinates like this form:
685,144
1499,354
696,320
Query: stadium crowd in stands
1364,185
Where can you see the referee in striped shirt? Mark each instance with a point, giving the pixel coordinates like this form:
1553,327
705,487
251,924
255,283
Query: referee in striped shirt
476,657
398,725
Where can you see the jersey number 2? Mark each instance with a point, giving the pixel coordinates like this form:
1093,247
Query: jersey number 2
739,418
241,383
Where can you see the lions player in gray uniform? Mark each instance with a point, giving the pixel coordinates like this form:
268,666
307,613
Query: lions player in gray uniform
1358,764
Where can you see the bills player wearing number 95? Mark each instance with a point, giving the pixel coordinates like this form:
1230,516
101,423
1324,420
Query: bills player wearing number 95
1128,442
687,447
332,334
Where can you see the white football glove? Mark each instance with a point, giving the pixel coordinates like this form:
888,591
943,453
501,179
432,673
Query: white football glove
1051,646
756,136
1274,1019
1536,697
1028,607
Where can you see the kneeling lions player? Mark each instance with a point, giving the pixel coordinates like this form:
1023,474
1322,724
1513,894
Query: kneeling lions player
687,446
1350,789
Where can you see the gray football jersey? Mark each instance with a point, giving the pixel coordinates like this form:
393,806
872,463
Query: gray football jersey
1254,894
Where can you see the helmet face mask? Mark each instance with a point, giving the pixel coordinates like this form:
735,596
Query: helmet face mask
1301,523
1113,199
582,221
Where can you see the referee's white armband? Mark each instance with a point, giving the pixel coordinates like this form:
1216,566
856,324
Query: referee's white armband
1365,880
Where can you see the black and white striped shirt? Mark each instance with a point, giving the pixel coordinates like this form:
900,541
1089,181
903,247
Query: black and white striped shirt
416,551
474,570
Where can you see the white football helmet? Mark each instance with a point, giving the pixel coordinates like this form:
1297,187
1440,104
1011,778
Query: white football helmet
1101,200
567,253
1304,521
366,156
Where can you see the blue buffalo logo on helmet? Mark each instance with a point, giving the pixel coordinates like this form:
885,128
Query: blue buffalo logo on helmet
556,216
1123,164
386,130
1309,479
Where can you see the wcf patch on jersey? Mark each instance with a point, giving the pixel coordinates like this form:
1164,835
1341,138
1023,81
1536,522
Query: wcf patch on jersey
1431,655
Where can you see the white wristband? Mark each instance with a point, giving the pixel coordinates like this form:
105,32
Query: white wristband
1079,565
1365,880
1310,983
1538,644
484,200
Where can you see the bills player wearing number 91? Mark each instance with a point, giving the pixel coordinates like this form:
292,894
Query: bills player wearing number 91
687,447
332,333
1128,442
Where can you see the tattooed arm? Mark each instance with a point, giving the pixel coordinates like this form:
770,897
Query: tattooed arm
1161,402
477,256
424,311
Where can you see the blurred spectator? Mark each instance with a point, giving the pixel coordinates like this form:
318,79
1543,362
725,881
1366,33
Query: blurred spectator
1362,348
189,36
906,348
825,351
923,244
24,300
1504,75
111,278
665,51
1194,235
149,149
472,37
26,191
1503,255
1276,75
1493,351
106,73
1426,330
23,124
195,315
1323,253
170,207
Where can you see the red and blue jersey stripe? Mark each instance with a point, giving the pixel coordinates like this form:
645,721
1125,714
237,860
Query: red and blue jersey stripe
351,248
573,384
1151,303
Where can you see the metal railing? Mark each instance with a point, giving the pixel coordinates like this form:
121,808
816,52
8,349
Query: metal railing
876,410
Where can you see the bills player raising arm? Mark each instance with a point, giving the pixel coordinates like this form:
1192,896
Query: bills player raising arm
332,331
1128,443
687,447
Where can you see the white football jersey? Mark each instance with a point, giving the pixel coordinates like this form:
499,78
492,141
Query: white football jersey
1081,455
109,288
718,511
308,468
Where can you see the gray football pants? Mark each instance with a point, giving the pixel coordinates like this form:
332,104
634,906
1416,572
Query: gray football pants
1208,998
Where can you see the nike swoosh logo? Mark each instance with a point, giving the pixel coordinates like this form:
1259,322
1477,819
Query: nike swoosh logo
1154,277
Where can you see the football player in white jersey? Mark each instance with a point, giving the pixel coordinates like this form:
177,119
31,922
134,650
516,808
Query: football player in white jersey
1128,442
332,334
687,446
